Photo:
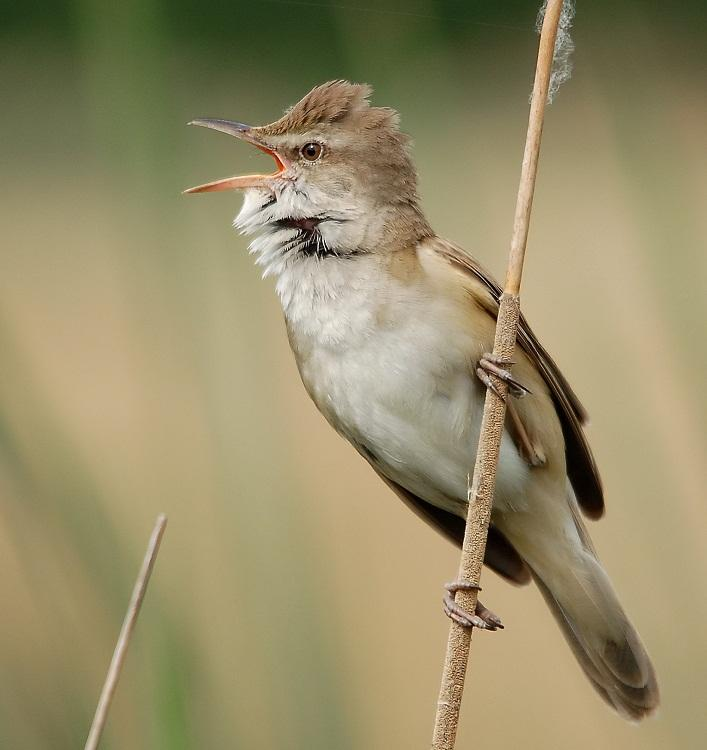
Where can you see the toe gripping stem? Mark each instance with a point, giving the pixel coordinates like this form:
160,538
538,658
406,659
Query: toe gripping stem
490,364
456,612
483,618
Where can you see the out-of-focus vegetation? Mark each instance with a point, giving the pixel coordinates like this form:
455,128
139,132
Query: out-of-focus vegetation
296,603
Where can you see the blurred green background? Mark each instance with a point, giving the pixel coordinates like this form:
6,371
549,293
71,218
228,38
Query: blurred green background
145,368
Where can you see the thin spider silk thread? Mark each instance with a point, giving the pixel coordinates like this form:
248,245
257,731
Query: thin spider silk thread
389,11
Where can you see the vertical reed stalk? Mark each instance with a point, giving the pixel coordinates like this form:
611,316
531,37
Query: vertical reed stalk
481,492
121,647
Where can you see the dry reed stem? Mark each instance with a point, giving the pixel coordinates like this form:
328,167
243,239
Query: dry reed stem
480,494
121,647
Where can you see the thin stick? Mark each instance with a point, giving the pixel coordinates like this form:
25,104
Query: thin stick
121,647
480,494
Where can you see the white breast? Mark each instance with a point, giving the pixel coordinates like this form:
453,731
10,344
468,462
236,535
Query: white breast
379,359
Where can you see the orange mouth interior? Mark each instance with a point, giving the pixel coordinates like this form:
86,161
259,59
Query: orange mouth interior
245,181
280,166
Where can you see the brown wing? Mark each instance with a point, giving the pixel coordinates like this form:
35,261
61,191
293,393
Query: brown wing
500,556
581,468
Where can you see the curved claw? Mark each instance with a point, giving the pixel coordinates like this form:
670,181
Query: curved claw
490,363
483,618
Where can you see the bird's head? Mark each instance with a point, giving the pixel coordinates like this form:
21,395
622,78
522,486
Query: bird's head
344,183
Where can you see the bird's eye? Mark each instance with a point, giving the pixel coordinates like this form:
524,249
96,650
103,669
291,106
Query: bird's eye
311,151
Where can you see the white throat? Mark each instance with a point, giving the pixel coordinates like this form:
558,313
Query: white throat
312,268
339,225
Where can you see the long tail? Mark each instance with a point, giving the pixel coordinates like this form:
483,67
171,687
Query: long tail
600,635
551,538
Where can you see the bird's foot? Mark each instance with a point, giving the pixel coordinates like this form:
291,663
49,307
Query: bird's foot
490,364
483,618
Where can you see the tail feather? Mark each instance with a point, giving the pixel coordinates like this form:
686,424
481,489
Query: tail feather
601,637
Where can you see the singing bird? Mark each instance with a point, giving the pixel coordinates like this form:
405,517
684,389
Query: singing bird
391,327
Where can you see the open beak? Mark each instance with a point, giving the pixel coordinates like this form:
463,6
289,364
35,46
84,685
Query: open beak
245,133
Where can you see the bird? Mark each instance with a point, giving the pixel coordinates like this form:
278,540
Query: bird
391,328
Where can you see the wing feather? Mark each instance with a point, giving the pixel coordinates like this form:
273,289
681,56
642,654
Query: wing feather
500,555
581,467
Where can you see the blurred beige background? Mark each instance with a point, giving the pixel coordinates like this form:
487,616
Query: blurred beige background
296,602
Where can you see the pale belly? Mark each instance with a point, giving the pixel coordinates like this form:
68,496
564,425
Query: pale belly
414,411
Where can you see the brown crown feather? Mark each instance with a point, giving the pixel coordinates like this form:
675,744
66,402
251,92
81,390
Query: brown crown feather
333,102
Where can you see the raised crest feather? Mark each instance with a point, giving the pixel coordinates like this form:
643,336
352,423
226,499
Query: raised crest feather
330,103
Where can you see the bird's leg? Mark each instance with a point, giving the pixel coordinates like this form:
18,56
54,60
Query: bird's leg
494,365
483,618
489,363
530,451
